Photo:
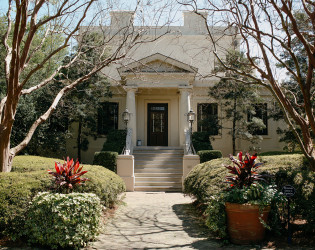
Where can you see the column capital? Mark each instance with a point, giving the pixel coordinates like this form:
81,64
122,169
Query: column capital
130,88
185,88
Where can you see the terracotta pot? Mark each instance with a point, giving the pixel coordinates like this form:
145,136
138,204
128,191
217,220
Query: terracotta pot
244,226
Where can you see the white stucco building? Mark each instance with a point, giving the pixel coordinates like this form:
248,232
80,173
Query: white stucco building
159,82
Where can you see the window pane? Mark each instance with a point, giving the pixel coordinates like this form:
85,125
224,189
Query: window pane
260,111
107,117
207,118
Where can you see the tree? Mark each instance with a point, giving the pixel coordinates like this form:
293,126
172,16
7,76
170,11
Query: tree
82,103
27,18
290,84
238,100
268,29
49,139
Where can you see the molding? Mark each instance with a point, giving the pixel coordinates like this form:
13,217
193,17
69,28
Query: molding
135,67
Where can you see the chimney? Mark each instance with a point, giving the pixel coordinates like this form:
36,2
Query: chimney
121,19
193,20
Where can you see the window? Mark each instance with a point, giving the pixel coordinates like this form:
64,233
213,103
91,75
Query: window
107,117
207,118
259,111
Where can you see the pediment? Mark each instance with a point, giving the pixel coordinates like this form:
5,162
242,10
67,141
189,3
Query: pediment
157,63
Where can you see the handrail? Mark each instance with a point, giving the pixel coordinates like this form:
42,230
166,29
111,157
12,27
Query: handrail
128,149
189,147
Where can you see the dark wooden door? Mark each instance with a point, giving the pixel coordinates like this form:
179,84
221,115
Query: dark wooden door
157,124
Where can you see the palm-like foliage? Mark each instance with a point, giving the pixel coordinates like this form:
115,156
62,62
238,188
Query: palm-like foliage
244,171
68,175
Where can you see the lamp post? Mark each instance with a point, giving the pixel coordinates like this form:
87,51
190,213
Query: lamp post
191,116
126,118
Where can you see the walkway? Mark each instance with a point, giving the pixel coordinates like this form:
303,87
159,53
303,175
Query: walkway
155,221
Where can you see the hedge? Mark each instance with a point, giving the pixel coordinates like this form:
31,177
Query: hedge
206,181
63,220
201,141
29,176
115,141
106,159
208,155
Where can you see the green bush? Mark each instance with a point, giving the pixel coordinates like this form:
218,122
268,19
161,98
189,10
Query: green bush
201,141
269,153
106,159
303,206
16,193
115,141
208,155
30,176
206,181
63,220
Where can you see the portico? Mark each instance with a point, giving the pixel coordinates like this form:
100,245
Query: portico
158,91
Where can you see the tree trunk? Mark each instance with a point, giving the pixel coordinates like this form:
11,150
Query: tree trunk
6,156
79,139
312,162
234,128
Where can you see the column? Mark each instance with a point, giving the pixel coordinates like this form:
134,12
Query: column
184,108
131,106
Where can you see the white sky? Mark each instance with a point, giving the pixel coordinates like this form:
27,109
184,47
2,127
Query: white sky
167,9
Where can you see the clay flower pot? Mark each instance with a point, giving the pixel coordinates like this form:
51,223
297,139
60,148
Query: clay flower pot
244,226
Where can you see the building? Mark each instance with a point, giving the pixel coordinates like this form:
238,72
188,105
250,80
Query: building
159,82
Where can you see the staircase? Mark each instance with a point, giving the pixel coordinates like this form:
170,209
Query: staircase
158,169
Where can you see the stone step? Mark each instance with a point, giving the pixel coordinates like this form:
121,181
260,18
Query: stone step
144,148
159,170
158,189
158,165
164,179
158,156
170,175
159,161
158,184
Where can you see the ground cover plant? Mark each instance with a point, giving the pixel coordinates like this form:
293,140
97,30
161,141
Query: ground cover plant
205,183
29,176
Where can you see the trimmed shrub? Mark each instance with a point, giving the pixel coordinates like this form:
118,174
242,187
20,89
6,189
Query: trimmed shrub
30,176
63,220
104,183
201,141
269,153
106,159
16,193
208,155
206,181
115,141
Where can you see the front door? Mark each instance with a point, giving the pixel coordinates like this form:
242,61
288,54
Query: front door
157,124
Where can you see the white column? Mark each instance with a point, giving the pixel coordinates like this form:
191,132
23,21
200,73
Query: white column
184,108
131,106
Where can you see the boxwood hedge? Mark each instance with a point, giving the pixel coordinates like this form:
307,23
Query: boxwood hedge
29,176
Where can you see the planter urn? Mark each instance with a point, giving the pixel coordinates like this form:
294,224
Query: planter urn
244,226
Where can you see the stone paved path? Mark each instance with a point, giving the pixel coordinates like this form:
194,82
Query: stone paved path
155,221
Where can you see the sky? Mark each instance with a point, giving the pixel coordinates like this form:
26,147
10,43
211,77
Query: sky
147,8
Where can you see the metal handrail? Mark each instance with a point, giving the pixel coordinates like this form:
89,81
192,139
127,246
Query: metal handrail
128,149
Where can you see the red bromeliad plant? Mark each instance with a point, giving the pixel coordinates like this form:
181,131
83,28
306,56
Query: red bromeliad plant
68,175
244,171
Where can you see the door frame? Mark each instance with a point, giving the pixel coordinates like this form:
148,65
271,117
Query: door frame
151,103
